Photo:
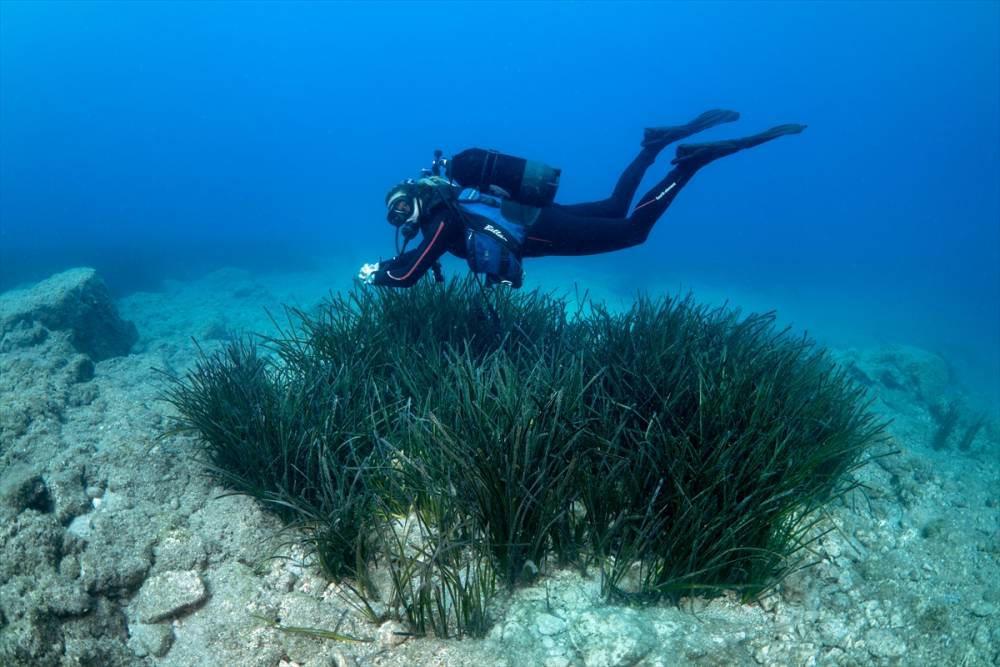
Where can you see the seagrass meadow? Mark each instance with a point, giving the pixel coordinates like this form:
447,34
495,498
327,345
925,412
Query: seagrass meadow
432,454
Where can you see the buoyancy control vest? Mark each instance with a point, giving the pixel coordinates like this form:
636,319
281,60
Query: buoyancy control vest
495,230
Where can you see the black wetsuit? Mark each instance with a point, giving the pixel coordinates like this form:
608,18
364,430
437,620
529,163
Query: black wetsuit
577,229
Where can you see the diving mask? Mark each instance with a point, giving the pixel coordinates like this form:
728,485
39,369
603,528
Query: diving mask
403,211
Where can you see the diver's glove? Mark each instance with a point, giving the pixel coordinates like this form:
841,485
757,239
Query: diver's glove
367,273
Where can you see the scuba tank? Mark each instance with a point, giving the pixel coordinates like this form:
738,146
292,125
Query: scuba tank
524,181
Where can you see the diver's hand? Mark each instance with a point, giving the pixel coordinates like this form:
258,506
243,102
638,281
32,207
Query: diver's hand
367,273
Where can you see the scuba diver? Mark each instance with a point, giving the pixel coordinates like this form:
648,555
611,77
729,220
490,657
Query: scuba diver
494,210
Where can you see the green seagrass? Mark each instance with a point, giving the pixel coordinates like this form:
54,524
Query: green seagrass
680,449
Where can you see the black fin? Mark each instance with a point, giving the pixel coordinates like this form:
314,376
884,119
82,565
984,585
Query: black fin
703,153
658,137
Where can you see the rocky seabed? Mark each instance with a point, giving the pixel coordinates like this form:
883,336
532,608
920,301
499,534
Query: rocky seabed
116,549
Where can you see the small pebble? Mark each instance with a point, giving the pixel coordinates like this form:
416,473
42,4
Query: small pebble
392,633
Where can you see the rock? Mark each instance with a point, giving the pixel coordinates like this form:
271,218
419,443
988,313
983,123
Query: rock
547,625
611,637
341,659
332,657
225,630
76,301
233,528
152,640
23,488
392,633
118,552
306,611
44,593
935,529
983,609
64,598
69,567
168,595
884,644
30,543
981,638
80,527
99,638
34,389
14,423
69,498
22,334
80,368
834,631
181,550
80,395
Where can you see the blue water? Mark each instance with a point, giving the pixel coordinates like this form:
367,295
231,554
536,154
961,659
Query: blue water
160,140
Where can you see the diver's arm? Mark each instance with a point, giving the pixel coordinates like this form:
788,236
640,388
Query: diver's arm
408,268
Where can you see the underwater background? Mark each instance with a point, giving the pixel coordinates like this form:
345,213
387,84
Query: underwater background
171,174
161,141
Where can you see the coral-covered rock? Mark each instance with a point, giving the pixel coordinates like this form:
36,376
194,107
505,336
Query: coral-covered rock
76,301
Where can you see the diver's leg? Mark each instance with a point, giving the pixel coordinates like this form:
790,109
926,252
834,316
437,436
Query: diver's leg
559,232
618,203
690,158
655,139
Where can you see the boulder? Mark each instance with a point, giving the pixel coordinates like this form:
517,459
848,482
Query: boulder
76,301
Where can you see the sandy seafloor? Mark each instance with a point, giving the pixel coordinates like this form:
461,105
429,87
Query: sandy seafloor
118,550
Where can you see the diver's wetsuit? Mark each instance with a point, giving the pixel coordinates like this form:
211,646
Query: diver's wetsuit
595,227
577,229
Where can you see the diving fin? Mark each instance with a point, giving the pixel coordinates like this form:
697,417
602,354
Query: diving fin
703,153
658,137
